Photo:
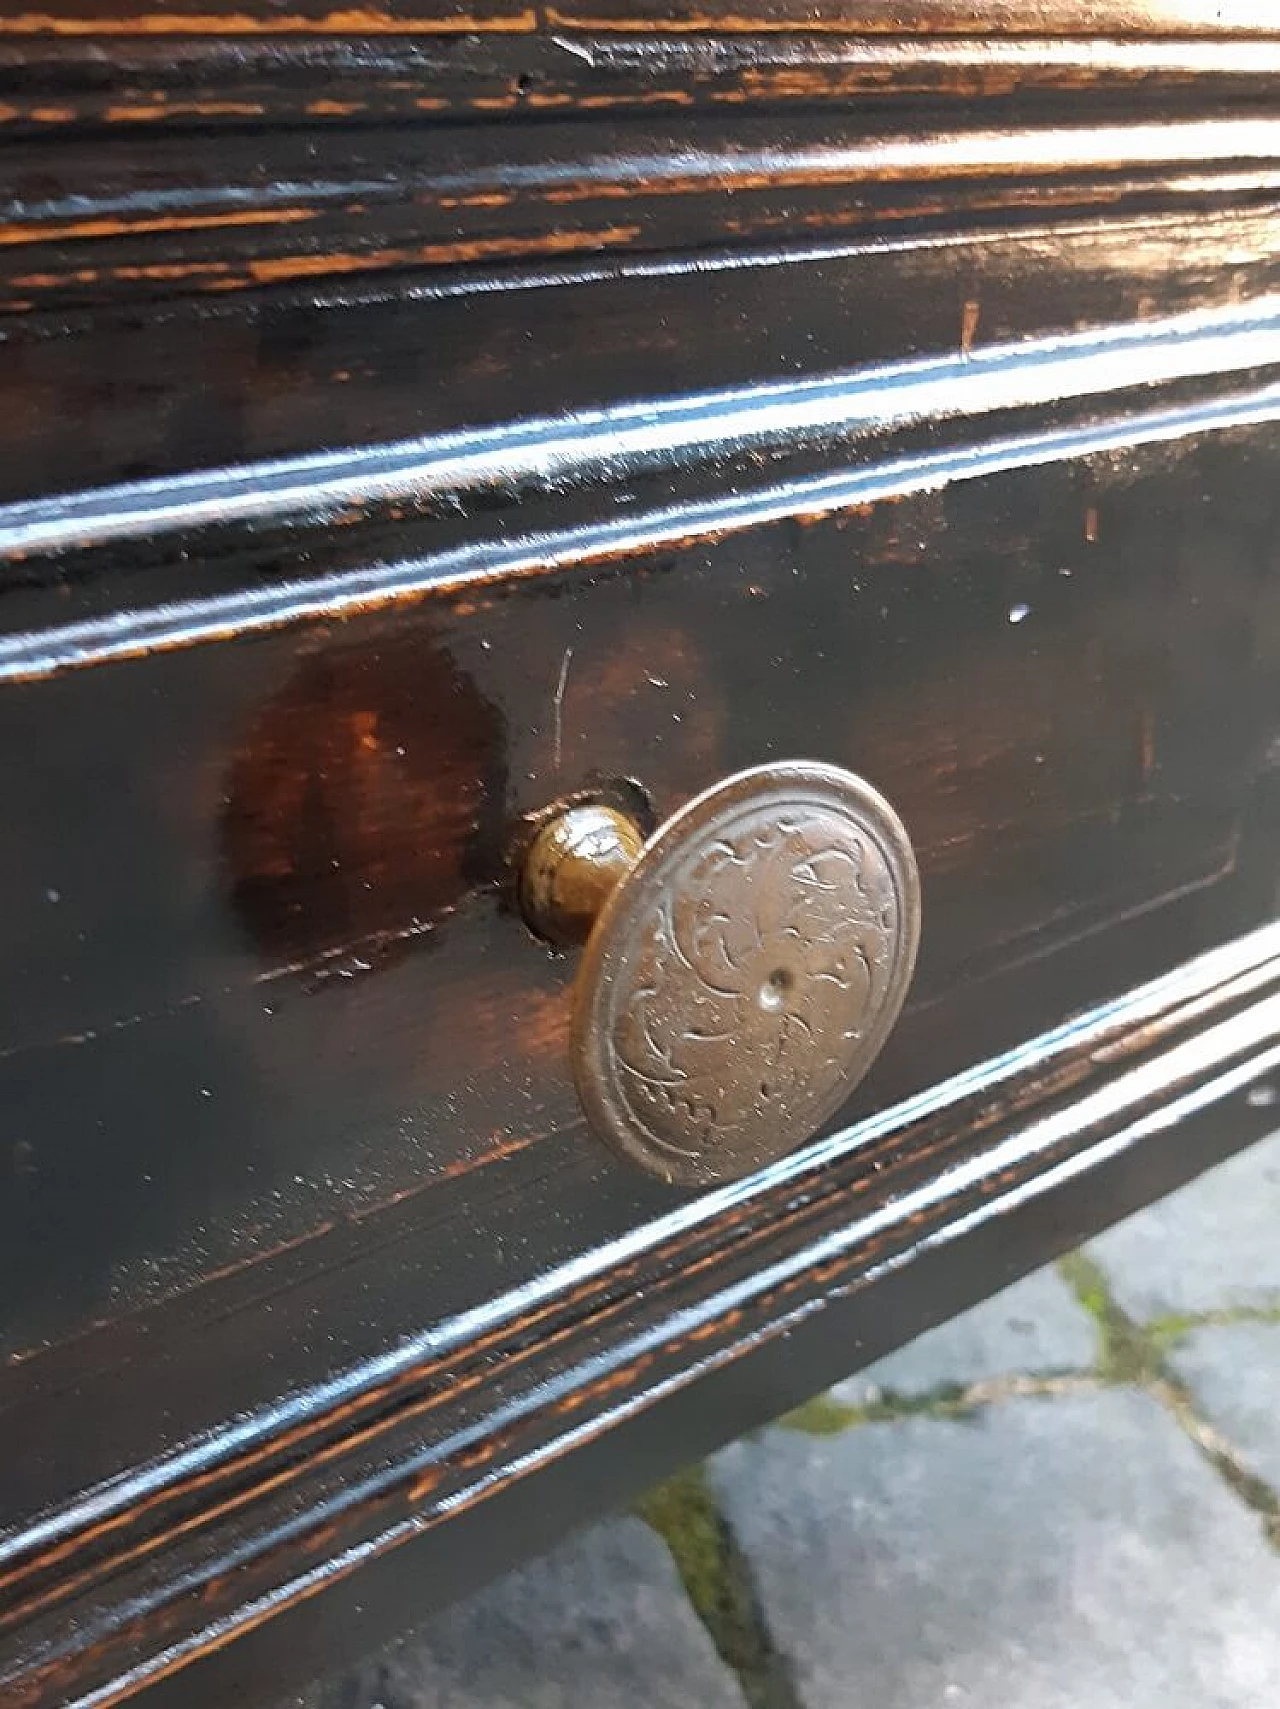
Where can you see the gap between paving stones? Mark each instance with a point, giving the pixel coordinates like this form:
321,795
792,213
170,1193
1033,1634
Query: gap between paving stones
1134,1353
719,1585
714,1570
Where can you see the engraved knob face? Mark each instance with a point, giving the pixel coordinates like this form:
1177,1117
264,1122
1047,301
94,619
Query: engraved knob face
739,982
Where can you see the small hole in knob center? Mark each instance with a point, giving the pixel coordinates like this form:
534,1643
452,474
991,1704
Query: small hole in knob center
773,993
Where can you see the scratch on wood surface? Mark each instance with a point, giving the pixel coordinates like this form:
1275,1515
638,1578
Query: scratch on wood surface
558,703
969,326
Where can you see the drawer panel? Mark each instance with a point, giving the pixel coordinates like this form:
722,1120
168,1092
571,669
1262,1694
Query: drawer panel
279,985
418,419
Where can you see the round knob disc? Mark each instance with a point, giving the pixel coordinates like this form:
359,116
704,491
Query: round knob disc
741,980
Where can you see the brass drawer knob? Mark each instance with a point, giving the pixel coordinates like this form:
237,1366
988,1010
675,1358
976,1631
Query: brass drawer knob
741,969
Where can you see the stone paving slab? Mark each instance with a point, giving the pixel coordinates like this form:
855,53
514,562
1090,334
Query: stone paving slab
602,1623
1036,1327
1215,1245
1233,1373
1074,1552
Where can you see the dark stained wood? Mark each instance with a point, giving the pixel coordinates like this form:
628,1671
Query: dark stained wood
204,216
768,1376
305,885
407,1443
122,18
962,17
1122,18
420,418
62,83
433,354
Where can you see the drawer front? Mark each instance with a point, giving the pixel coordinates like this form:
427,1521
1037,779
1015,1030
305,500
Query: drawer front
371,489
273,981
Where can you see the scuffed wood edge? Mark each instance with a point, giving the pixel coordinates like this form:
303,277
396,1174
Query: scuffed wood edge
130,1589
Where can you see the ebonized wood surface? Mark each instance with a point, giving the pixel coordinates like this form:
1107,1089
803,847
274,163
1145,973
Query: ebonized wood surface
414,418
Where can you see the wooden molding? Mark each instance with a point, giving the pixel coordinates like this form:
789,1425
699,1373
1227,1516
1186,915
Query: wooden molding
139,1578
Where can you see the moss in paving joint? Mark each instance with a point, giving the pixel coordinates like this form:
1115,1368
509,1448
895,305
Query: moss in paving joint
717,1581
824,1415
1134,1354
1126,1355
1251,1489
1169,1331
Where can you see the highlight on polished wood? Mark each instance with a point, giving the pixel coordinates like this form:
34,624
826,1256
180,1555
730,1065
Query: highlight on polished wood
456,1063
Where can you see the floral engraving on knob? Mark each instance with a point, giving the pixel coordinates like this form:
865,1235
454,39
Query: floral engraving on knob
751,977
753,982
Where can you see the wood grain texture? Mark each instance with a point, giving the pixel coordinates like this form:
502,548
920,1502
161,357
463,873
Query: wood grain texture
196,384
1141,18
296,907
300,523
122,18
144,1579
61,83
215,218
418,416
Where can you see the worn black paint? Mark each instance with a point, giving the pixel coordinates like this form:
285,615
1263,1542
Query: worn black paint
283,1074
